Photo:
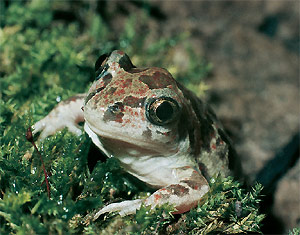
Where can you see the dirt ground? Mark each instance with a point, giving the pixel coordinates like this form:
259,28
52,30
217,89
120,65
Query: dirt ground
254,85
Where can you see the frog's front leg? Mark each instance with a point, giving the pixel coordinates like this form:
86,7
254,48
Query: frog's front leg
184,195
67,113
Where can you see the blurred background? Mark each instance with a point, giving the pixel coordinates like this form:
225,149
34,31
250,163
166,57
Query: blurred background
240,56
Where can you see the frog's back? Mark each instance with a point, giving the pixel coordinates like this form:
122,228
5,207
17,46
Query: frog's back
210,145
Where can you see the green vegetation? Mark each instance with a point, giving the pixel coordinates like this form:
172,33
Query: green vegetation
294,231
46,58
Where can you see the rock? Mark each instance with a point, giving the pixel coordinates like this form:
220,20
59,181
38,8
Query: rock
287,199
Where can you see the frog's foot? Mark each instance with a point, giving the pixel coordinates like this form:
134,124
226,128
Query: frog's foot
51,124
184,195
66,114
123,208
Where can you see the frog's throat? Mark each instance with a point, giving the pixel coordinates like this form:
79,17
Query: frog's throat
155,148
156,171
95,139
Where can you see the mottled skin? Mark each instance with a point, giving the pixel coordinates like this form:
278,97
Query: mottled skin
160,131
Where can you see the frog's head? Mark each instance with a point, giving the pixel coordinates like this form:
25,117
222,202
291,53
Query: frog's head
138,110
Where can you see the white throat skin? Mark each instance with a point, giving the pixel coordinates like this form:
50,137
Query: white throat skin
156,171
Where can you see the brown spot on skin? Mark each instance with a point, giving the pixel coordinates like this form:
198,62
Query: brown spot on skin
137,70
114,113
125,63
119,92
107,79
74,98
157,197
187,167
120,52
157,80
127,83
199,178
147,134
178,190
201,129
134,102
204,171
111,91
192,184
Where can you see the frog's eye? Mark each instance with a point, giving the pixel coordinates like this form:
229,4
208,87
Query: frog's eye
162,111
99,65
100,61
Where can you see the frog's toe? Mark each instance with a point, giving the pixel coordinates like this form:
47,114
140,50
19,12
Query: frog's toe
45,133
123,208
45,128
37,127
74,129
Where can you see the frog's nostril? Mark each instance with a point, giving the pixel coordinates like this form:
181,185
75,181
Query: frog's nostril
116,108
114,113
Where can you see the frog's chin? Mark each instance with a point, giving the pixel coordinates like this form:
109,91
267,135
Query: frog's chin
115,143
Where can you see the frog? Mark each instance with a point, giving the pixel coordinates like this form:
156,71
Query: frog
160,132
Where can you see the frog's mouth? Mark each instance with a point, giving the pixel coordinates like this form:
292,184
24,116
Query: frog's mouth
118,143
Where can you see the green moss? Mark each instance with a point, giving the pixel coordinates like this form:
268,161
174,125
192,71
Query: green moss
294,231
225,209
45,59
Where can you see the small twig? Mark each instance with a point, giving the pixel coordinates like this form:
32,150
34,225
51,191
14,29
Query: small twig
158,223
29,137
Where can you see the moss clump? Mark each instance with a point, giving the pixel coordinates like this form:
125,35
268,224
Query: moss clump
294,231
46,58
225,209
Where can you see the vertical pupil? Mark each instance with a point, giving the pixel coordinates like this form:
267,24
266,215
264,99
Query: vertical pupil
164,111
